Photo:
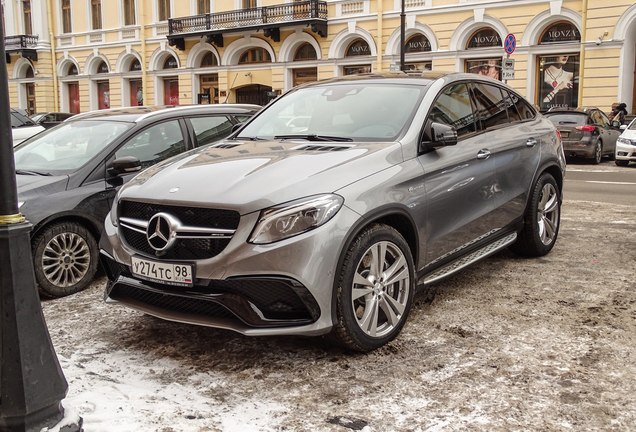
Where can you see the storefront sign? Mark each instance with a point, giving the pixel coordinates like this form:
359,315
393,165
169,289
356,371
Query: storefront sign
486,37
561,32
417,43
358,48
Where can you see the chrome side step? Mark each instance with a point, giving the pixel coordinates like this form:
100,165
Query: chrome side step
469,259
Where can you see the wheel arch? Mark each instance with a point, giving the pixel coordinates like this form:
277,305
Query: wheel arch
397,218
88,222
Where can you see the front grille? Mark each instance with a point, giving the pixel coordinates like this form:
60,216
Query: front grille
177,304
191,216
185,249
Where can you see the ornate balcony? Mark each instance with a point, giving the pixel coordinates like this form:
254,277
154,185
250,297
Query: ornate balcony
21,44
267,18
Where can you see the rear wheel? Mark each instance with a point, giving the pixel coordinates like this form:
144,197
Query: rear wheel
542,219
375,289
598,153
64,259
622,163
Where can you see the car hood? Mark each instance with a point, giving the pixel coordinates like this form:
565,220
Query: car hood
252,175
33,186
22,133
629,134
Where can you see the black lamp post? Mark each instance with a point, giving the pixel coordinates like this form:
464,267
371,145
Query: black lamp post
32,384
402,30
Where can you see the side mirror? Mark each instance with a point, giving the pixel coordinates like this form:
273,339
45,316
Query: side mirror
125,165
440,135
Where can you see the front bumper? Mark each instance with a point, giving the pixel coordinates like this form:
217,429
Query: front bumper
280,288
625,151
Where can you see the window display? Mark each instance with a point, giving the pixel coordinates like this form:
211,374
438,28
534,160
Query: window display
559,77
487,67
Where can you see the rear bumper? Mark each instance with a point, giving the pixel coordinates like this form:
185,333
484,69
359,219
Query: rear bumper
582,148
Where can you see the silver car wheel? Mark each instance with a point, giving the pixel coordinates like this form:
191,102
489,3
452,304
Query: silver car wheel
380,289
548,214
66,259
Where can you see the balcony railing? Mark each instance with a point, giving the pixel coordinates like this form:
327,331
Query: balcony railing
20,42
265,17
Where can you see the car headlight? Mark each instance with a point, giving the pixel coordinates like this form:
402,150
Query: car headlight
295,217
625,141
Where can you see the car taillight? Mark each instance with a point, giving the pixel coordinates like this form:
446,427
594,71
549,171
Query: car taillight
586,128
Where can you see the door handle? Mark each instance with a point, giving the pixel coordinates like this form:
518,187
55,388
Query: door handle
531,142
483,154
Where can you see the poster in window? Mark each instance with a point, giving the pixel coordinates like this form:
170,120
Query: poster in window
559,78
171,91
487,67
73,98
103,95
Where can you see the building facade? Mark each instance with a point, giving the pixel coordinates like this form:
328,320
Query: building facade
81,55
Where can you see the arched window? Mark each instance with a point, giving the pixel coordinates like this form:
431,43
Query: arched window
358,47
485,37
209,60
305,52
255,55
170,63
102,68
417,43
135,66
72,70
563,31
29,73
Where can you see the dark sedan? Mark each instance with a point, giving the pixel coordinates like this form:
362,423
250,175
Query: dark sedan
68,176
586,132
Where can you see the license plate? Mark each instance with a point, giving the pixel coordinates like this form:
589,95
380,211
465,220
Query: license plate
565,134
164,273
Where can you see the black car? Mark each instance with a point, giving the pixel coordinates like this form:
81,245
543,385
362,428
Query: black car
586,132
68,176
50,119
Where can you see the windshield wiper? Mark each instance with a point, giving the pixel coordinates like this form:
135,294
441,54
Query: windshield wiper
27,172
313,137
254,138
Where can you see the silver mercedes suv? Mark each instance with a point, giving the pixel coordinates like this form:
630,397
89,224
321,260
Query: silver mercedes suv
328,209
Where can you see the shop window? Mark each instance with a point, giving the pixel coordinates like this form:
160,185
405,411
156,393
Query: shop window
103,95
419,66
135,66
171,91
302,76
72,70
136,93
255,55
483,38
102,68
66,16
129,12
96,14
488,67
170,63
358,47
354,70
560,32
305,52
29,73
209,60
417,43
74,97
164,10
26,14
558,81
203,6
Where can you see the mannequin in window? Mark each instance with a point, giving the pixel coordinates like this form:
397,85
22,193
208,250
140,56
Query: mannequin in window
140,97
556,78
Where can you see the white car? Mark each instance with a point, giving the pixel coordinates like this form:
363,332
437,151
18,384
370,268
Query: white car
626,145
22,127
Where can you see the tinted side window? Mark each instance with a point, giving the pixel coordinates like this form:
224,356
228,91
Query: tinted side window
15,122
523,108
211,129
491,108
453,108
154,144
513,114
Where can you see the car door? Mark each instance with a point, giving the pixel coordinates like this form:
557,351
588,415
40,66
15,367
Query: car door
150,145
516,146
458,179
209,129
609,134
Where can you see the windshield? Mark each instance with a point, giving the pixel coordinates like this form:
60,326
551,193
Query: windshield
66,147
347,111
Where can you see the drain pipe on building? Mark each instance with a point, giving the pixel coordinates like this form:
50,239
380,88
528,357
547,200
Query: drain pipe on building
142,36
582,56
56,95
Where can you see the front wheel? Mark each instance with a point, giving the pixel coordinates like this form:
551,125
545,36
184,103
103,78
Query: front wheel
375,289
64,259
542,219
598,153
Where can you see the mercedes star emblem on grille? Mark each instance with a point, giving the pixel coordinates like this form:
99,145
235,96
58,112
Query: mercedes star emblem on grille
160,232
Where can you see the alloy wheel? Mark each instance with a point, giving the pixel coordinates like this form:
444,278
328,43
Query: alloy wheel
380,289
548,214
66,259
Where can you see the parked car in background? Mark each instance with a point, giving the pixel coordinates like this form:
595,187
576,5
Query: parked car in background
395,181
68,176
22,127
626,145
50,119
586,132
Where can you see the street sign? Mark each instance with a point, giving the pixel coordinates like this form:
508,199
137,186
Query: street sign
394,68
508,64
510,44
507,74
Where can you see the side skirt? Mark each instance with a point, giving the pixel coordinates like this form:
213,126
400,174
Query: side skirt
466,260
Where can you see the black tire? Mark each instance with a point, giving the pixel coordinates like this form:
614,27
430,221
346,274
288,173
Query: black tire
542,219
64,259
622,163
375,314
598,153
